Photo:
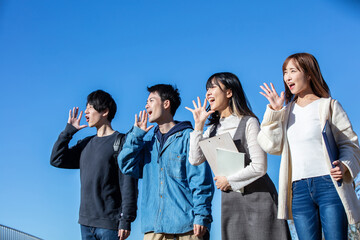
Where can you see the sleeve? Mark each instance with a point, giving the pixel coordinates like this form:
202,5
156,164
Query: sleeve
258,165
196,156
64,157
271,135
202,188
129,194
131,156
347,141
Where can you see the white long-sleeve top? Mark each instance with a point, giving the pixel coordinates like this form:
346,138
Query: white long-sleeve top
253,171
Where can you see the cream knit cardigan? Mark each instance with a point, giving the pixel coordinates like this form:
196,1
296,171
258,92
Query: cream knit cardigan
273,139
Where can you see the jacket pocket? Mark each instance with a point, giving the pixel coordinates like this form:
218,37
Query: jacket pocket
176,165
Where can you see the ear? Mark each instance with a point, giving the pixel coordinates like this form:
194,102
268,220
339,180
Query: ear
166,104
228,93
105,113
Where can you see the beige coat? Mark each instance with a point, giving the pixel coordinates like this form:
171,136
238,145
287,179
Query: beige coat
273,139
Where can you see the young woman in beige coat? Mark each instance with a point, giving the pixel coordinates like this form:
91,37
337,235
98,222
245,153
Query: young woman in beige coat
309,185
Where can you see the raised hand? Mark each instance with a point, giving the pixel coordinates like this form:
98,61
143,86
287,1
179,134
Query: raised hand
276,101
74,120
141,121
200,114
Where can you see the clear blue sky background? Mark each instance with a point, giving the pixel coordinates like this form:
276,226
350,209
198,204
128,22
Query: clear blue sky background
53,53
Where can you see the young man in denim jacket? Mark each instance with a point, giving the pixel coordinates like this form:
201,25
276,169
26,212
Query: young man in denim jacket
176,196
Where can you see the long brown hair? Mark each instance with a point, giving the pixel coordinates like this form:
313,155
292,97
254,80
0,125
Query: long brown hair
307,63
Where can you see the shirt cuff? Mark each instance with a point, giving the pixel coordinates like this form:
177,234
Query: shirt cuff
125,225
203,221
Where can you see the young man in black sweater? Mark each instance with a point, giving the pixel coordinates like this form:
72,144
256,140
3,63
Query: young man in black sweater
108,197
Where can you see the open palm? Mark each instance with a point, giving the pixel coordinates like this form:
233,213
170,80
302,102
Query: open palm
199,113
142,120
74,120
276,101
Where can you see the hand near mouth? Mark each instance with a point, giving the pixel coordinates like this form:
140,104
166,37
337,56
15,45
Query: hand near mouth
141,121
200,114
74,120
276,101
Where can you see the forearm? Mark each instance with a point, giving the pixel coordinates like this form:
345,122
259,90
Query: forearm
270,137
61,155
201,184
347,141
196,156
129,193
131,155
258,165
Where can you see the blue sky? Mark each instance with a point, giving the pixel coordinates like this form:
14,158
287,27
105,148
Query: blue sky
53,53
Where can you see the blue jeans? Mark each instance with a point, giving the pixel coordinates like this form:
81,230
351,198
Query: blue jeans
94,233
315,205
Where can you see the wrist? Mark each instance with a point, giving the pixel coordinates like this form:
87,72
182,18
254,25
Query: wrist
199,126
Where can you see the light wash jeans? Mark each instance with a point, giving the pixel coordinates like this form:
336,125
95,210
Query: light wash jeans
316,205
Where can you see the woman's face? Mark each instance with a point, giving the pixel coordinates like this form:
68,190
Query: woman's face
218,96
297,81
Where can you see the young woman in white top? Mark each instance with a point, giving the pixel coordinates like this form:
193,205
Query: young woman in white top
252,214
308,188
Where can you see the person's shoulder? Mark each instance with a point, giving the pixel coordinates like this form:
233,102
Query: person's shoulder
117,134
86,139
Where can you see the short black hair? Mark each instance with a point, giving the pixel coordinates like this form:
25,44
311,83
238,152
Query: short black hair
101,101
167,92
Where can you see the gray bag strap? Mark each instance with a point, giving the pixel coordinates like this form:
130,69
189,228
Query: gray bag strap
240,131
240,138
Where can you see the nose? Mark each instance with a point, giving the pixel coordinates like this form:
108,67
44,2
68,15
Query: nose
208,93
146,106
287,77
86,111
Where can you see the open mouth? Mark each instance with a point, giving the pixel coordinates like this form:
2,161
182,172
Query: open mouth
87,118
211,100
149,112
291,85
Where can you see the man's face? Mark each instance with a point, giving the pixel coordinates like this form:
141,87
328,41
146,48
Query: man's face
154,107
93,117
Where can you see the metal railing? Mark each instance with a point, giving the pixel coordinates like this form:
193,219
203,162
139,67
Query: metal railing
8,233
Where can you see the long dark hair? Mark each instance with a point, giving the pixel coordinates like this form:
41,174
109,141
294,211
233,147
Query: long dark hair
307,63
238,103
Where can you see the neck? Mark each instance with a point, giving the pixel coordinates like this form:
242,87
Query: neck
104,130
225,113
166,124
306,96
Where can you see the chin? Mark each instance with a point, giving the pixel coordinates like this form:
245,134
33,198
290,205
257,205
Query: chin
151,120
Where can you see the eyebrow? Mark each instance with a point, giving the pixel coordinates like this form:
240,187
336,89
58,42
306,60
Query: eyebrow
149,99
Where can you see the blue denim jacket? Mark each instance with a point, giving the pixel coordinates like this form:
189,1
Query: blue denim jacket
175,194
